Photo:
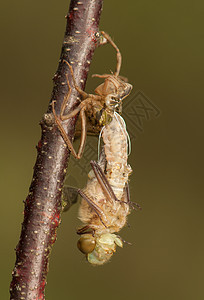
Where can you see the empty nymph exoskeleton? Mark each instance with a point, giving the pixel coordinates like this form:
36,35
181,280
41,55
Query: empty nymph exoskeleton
99,108
105,200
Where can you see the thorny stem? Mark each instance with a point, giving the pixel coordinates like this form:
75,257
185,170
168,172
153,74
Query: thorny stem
42,213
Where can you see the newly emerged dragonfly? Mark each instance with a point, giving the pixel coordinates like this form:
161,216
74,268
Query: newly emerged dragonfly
105,199
99,108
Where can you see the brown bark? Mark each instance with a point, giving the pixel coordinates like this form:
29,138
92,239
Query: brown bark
42,213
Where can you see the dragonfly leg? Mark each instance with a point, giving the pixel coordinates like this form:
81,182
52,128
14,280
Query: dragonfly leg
95,207
86,230
103,181
133,205
107,189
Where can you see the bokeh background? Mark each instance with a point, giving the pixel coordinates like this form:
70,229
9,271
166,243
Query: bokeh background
162,43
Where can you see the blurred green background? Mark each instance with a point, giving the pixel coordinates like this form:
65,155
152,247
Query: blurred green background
162,43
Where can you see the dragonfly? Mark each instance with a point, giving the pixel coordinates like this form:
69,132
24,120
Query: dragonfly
106,201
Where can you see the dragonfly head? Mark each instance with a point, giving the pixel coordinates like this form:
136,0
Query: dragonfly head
86,243
99,249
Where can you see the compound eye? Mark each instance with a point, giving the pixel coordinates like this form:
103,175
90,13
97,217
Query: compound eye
86,244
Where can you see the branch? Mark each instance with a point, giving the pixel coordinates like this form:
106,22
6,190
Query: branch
42,213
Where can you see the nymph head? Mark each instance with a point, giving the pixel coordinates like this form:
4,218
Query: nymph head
114,100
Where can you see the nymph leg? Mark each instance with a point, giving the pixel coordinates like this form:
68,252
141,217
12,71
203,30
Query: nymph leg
80,108
65,100
119,57
110,78
79,90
